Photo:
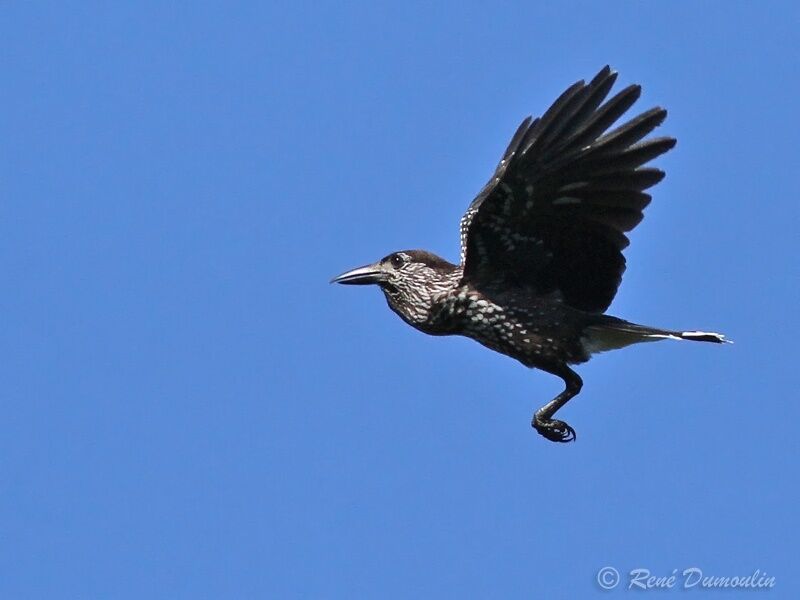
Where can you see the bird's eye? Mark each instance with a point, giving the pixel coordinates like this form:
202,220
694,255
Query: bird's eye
396,260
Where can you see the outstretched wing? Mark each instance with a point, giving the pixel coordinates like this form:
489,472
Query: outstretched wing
553,217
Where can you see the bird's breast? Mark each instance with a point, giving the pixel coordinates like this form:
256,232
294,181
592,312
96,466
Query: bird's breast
532,330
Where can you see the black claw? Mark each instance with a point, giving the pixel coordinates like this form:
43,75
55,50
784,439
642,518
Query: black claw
555,430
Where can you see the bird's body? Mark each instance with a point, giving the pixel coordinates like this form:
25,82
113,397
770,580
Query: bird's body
536,331
541,244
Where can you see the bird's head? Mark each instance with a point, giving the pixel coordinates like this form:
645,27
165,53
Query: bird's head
410,279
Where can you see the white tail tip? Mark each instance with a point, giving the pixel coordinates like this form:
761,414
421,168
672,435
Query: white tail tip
705,336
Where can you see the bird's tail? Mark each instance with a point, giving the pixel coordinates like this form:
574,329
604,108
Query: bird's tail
610,333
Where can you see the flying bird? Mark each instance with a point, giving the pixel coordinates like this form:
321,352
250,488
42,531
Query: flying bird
541,244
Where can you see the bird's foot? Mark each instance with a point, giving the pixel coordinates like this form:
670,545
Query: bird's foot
554,430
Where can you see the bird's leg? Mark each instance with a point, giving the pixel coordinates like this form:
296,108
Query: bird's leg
553,429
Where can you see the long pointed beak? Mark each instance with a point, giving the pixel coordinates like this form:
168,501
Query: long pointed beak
362,275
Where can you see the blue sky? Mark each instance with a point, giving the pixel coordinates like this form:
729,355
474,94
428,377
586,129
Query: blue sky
191,411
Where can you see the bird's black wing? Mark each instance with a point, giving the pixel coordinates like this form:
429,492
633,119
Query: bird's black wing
554,215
